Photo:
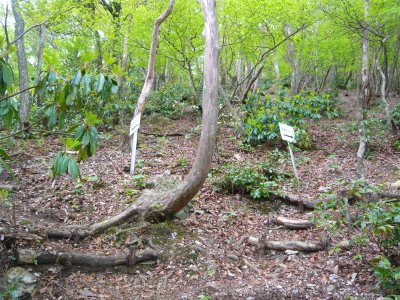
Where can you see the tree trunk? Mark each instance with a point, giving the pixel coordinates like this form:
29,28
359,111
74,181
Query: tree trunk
277,70
322,85
22,64
153,205
363,97
124,60
39,55
291,53
389,124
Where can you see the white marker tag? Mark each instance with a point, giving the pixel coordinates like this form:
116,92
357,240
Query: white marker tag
287,133
135,124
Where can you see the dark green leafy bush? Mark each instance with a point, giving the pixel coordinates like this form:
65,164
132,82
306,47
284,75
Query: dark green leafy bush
264,114
258,182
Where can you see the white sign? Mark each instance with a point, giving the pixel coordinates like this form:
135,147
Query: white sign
133,132
135,124
287,133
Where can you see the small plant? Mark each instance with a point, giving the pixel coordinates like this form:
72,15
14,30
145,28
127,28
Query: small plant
182,162
396,145
140,181
229,215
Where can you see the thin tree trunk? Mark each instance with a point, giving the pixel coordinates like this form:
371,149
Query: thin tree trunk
277,70
322,85
389,124
22,64
250,83
291,53
363,97
39,55
124,60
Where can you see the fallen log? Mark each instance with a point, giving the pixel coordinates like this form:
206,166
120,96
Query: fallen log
30,257
7,233
293,245
296,201
294,223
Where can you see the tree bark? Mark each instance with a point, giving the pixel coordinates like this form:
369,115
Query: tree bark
363,97
294,223
22,64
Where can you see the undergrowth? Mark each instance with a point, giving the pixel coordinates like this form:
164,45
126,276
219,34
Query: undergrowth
375,226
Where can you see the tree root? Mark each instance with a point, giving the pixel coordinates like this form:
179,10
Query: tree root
30,257
294,224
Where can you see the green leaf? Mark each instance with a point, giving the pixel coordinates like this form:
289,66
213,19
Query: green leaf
72,144
100,83
91,119
4,154
77,78
86,84
51,77
73,168
71,97
7,74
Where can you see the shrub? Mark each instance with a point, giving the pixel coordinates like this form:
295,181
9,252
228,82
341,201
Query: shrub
256,182
372,223
264,114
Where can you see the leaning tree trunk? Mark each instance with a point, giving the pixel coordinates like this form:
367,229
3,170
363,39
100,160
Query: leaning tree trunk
22,65
153,205
148,83
363,96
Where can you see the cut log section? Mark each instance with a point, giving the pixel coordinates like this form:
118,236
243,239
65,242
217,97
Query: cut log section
293,245
30,257
293,223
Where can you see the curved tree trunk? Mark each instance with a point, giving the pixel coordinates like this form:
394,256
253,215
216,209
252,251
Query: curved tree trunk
153,205
22,65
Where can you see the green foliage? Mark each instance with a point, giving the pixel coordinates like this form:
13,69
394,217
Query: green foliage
264,114
396,115
396,145
3,165
169,101
140,181
6,77
65,163
9,113
388,275
244,180
87,135
377,223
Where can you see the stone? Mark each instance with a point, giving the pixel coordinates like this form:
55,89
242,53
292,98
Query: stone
17,283
395,185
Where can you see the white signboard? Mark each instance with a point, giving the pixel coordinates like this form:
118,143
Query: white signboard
135,124
287,133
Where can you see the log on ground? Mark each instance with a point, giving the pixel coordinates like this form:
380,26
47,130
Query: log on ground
30,257
294,223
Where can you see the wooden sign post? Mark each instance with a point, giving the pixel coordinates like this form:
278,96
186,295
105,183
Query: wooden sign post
287,134
135,124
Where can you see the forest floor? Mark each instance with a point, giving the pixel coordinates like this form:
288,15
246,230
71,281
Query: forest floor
201,254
